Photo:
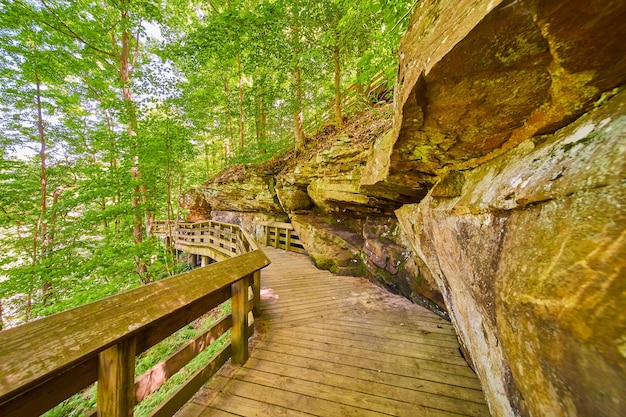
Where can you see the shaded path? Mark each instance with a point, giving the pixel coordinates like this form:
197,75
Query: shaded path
340,346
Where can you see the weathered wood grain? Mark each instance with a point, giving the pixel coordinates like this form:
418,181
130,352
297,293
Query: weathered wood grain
51,392
42,349
175,401
335,346
256,293
153,378
239,330
282,236
116,372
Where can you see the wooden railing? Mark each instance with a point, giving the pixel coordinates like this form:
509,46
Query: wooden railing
282,236
48,360
215,240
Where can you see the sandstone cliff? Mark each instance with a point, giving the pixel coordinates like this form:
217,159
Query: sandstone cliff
496,195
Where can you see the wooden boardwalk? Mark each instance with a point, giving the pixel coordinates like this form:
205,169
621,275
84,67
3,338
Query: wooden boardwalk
340,346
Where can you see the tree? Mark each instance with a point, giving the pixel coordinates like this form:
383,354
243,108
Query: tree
115,123
69,94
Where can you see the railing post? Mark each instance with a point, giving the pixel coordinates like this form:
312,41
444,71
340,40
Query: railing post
239,331
287,239
256,293
116,380
267,235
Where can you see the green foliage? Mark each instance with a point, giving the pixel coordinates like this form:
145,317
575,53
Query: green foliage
261,33
219,75
110,110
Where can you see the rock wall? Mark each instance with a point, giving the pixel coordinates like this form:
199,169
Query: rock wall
496,195
531,259
345,229
518,115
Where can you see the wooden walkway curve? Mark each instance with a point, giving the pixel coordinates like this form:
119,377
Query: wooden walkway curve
340,346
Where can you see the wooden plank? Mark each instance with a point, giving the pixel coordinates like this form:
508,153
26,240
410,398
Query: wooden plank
175,401
313,284
191,410
212,412
389,333
416,315
32,353
279,304
160,329
310,404
341,397
249,407
409,332
214,251
48,394
402,366
153,378
116,373
282,225
444,356
256,291
285,340
440,329
239,331
214,386
296,291
319,308
374,372
422,343
369,387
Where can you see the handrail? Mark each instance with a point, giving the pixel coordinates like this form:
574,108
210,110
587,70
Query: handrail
45,361
282,236
217,240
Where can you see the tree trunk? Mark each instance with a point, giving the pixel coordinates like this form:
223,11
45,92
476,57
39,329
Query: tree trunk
51,235
125,71
170,210
53,218
337,83
231,137
298,131
241,114
261,123
207,164
296,82
41,245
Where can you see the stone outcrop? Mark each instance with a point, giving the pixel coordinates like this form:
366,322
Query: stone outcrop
508,71
524,229
241,190
496,195
199,208
345,228
530,256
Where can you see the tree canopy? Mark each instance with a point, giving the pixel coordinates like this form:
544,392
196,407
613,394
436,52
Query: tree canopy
109,110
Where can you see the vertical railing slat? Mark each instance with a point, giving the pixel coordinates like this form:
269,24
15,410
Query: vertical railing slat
116,380
287,239
256,293
239,331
